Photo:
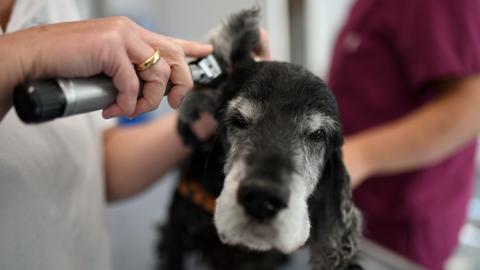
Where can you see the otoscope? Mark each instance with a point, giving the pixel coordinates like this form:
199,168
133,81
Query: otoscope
43,100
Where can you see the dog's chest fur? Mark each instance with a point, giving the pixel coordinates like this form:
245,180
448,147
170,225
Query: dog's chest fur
190,231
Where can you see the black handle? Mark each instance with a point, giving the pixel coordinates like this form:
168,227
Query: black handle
39,101
43,100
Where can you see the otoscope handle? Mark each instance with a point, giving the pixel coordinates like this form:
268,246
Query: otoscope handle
43,100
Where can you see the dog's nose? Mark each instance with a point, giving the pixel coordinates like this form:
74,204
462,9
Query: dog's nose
262,200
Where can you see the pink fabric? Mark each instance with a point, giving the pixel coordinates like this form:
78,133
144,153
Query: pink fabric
384,61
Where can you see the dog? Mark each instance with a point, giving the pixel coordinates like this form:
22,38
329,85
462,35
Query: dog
272,179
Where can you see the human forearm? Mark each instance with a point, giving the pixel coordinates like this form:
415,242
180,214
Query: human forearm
422,138
136,157
12,71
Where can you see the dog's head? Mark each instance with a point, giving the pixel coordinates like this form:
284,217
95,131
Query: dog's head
282,137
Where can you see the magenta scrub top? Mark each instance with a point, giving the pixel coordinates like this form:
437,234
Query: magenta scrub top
384,61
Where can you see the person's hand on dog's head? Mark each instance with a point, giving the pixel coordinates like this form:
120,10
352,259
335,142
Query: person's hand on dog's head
262,51
205,127
356,161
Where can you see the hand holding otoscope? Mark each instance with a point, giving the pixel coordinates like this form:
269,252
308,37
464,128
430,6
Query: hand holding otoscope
43,100
102,46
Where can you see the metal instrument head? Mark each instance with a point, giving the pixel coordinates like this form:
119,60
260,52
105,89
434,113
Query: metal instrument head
206,71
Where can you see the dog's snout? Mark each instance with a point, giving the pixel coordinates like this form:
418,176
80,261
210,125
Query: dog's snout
262,200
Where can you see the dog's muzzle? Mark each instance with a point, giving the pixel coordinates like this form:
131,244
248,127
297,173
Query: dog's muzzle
262,199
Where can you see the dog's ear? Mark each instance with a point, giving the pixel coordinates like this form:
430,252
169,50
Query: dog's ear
236,38
338,190
336,221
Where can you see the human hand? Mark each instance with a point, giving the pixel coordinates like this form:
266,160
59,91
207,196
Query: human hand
355,159
262,51
111,46
205,126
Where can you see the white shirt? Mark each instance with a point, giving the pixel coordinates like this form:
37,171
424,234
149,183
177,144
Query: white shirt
52,202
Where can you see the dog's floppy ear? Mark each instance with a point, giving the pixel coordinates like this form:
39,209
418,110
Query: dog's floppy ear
237,37
336,221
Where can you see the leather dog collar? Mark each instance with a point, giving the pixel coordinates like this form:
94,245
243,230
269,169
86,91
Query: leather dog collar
192,190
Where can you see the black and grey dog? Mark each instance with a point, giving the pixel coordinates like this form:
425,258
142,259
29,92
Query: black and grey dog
275,167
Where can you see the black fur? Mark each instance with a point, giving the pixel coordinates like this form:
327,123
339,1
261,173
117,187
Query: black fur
282,88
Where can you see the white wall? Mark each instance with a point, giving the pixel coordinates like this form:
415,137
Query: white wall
192,19
322,20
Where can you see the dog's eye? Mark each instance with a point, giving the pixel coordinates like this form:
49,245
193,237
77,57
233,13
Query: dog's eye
317,135
238,121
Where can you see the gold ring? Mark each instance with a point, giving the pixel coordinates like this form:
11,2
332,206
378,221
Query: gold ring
152,60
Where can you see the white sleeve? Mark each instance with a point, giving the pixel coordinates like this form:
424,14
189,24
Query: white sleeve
28,13
63,11
99,123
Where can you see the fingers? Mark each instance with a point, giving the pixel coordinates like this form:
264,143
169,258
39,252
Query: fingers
205,126
194,49
174,52
172,65
138,51
190,48
180,75
113,111
126,81
182,83
262,50
156,79
176,96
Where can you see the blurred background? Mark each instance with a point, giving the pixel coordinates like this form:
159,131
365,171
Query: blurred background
301,31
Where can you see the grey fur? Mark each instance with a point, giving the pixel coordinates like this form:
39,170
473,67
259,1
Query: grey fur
278,123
